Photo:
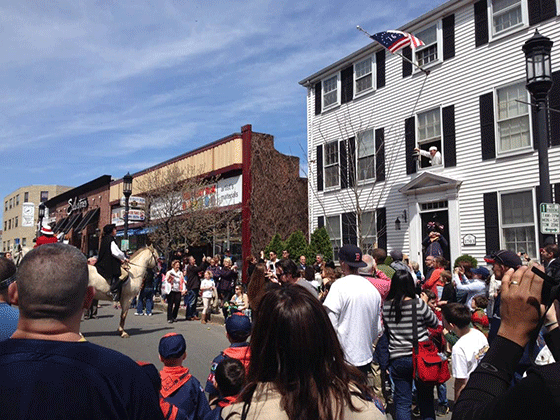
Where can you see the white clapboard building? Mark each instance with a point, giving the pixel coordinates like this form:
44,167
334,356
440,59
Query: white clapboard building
369,111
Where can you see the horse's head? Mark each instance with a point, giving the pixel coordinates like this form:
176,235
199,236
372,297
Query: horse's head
155,255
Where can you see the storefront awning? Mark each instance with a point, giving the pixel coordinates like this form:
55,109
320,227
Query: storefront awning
58,227
74,220
91,216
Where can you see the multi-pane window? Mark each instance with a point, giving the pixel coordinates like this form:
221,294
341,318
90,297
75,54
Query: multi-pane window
428,52
368,232
23,241
366,155
16,222
5,225
9,223
17,200
506,14
6,205
331,164
518,223
26,197
330,91
363,75
44,196
513,118
334,231
11,202
429,133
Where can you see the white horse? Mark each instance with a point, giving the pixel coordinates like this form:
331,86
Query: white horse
139,262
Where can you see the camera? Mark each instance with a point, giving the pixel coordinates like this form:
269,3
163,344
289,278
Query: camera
550,287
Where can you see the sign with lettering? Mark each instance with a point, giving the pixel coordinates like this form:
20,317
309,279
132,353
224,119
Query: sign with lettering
76,204
134,202
134,215
469,240
230,191
550,218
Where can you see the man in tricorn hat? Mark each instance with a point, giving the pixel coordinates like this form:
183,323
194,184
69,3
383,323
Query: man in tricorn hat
109,260
47,236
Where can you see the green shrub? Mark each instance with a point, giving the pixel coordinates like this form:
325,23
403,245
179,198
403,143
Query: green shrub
466,257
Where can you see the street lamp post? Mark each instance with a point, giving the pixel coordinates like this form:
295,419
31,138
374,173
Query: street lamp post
41,215
127,191
539,82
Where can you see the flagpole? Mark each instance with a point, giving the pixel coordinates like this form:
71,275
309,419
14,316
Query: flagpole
427,72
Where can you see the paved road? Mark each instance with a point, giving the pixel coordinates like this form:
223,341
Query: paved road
204,342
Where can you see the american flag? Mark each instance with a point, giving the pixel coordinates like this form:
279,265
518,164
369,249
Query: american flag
395,40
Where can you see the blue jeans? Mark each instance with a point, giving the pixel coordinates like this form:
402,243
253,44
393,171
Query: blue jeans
442,394
192,297
148,294
401,373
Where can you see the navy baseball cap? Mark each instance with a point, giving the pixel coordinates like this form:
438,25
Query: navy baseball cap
508,258
172,346
351,255
481,271
238,326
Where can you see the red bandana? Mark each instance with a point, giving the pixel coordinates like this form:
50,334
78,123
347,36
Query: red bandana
173,378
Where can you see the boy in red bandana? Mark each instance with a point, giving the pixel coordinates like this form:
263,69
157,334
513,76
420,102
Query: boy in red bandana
229,380
178,386
238,329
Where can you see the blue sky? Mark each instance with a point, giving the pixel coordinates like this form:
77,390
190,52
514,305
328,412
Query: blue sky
105,87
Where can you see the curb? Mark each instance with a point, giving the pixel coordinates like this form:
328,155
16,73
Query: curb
216,318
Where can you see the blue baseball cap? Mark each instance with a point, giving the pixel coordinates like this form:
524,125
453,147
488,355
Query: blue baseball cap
351,255
481,271
238,326
172,346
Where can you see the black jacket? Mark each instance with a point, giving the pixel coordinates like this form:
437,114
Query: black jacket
107,265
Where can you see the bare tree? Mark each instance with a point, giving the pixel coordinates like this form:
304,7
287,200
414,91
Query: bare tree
182,207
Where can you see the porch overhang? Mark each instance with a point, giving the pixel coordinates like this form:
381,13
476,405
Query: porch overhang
429,182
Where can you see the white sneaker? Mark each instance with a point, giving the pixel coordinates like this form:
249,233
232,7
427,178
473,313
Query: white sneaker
137,314
149,314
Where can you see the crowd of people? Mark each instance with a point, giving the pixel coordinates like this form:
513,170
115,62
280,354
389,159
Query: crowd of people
306,341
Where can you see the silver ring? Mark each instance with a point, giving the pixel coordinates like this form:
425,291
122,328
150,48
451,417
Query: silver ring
514,283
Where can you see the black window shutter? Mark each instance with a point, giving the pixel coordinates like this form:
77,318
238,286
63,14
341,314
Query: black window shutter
352,162
487,134
347,83
380,154
320,222
318,98
448,24
449,150
410,144
381,221
320,168
491,223
407,65
380,63
343,159
556,190
480,23
349,229
541,10
554,103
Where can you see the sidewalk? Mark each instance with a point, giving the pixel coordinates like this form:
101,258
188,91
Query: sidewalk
217,318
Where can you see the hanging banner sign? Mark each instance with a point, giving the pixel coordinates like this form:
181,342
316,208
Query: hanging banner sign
27,214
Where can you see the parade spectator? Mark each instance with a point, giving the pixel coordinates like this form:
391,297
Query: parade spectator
146,294
257,286
289,274
448,292
177,281
429,262
239,301
434,244
295,372
193,287
228,278
434,280
47,236
488,393
285,254
471,347
549,256
8,315
419,276
109,260
398,263
238,330
271,263
477,285
206,286
251,263
432,154
479,317
380,255
229,381
178,386
91,312
353,305
310,276
49,371
302,263
397,318
319,263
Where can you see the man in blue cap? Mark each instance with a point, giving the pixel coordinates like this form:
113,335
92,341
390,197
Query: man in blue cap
353,305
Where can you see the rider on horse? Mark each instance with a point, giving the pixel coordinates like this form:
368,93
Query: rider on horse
109,260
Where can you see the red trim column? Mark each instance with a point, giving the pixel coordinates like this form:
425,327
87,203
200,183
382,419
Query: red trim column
246,136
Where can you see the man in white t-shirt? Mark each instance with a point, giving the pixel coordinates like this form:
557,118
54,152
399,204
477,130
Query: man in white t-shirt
353,305
471,347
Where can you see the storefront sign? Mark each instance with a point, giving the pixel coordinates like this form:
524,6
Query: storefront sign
229,191
134,202
134,215
27,214
75,204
